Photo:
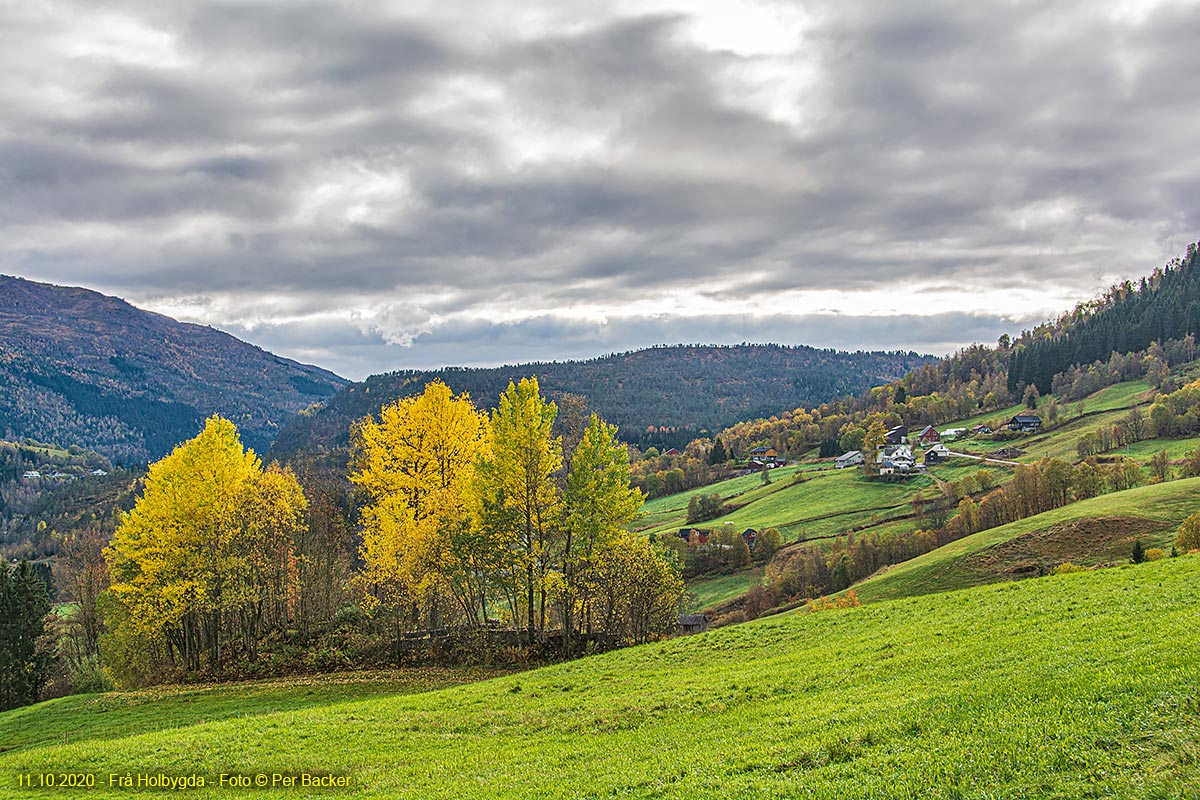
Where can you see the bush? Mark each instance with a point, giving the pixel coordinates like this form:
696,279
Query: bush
766,543
704,507
1154,554
732,618
849,600
88,676
1066,568
1187,538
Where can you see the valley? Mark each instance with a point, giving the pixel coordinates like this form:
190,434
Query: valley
1014,607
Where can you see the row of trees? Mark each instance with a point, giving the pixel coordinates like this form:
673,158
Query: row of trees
1176,413
471,519
1043,486
1154,364
466,521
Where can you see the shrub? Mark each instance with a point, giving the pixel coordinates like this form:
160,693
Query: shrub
732,618
1188,536
1154,554
849,600
704,507
1066,568
88,676
766,543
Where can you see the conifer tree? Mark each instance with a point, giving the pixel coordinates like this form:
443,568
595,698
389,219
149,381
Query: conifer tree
24,604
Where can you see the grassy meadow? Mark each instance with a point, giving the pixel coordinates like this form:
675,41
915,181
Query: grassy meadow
1041,688
708,591
812,502
114,715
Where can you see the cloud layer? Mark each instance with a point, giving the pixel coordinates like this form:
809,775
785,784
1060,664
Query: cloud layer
373,186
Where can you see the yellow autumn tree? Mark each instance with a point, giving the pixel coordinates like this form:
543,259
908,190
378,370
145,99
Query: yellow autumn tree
415,466
202,560
519,502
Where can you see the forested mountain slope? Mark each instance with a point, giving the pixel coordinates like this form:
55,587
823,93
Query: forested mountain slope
1128,317
82,368
689,387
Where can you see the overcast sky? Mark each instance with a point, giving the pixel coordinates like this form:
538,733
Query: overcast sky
372,186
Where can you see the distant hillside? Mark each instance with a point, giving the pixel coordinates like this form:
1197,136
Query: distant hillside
81,368
690,387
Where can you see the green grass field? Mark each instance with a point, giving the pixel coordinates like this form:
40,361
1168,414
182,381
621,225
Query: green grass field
87,717
978,419
707,592
1144,451
660,510
1069,686
1118,396
832,502
1099,530
827,503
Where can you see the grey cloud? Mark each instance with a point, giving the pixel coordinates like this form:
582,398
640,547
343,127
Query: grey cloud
356,153
480,342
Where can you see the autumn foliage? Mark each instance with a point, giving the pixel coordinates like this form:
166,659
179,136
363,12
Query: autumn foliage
202,568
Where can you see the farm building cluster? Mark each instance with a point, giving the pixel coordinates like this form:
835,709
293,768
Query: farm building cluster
897,458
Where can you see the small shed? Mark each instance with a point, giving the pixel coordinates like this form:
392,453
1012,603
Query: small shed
937,454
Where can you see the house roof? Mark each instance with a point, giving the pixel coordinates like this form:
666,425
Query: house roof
1027,418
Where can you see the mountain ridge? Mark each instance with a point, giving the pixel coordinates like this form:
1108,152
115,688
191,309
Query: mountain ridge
688,388
81,367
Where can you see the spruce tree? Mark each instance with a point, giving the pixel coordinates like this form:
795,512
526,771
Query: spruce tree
1139,552
24,604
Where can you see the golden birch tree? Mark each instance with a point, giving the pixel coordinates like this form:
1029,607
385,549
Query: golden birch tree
415,466
207,543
